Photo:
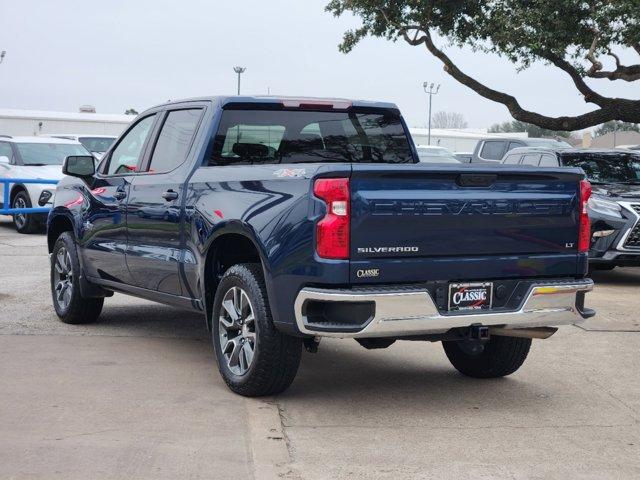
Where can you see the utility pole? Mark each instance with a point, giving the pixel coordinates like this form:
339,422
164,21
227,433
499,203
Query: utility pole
239,71
431,89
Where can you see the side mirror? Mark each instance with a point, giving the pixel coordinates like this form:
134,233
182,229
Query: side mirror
81,166
4,159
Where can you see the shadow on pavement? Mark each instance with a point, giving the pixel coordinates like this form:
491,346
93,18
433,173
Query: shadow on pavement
618,276
151,320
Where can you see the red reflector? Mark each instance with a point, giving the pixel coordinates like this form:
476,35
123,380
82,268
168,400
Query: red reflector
584,232
332,232
310,104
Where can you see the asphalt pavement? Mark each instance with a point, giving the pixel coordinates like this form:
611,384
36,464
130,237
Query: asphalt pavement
138,396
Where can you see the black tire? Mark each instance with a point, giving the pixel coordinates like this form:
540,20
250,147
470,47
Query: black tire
501,356
275,356
73,308
25,223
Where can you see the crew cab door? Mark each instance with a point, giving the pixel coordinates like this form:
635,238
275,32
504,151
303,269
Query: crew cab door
104,224
154,211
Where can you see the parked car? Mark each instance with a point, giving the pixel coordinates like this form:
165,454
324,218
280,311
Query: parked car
614,206
96,144
32,158
464,157
429,154
493,149
296,219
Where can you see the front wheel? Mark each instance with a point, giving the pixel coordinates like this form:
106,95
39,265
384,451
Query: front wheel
68,301
253,357
500,356
24,222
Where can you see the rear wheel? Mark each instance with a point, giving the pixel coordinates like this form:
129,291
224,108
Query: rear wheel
500,356
253,357
24,223
68,301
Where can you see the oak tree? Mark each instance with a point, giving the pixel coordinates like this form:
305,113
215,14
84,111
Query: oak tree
580,37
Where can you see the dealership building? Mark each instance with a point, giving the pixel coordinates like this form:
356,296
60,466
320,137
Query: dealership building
86,121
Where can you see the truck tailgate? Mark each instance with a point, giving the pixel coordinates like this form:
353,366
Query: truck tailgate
430,216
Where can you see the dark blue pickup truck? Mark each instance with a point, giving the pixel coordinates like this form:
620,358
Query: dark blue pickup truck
284,220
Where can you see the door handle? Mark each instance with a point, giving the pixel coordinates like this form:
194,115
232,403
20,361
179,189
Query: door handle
119,195
170,195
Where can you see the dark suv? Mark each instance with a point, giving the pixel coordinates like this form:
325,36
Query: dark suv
614,207
493,149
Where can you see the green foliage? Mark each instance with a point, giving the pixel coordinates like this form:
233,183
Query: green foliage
572,35
616,126
521,30
533,130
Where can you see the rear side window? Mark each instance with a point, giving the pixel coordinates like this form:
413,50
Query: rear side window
513,145
175,139
548,161
247,137
492,150
512,159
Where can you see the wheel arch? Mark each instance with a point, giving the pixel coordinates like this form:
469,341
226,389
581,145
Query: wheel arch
58,224
229,247
15,189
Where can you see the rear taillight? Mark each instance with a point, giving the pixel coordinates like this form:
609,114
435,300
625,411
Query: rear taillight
332,232
584,232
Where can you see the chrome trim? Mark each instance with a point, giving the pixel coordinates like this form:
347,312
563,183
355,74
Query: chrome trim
628,206
413,312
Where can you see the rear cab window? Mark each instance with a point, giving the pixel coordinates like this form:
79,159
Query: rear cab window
359,135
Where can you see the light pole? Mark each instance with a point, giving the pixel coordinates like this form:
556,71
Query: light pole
239,71
431,89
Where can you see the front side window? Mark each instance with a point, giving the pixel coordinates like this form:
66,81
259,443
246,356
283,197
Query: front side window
492,150
174,140
126,155
284,136
40,154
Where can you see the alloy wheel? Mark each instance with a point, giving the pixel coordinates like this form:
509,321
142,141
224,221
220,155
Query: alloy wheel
63,278
20,218
237,330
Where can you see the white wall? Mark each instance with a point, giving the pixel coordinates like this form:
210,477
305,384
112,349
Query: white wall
455,144
24,122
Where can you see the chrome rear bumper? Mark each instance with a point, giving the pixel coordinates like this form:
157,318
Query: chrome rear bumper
408,312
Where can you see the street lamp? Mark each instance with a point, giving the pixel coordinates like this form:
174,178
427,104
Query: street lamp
239,71
431,89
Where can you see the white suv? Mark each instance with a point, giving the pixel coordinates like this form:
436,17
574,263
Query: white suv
29,158
96,144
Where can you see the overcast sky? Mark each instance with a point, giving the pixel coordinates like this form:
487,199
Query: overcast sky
136,53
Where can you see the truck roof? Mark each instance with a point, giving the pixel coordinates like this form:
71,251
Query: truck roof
223,100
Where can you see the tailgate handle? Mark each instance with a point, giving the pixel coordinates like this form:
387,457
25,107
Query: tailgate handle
475,180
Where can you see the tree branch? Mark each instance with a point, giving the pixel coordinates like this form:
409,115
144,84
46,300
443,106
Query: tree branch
611,109
628,74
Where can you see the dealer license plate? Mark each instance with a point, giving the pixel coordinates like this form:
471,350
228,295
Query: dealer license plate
470,296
